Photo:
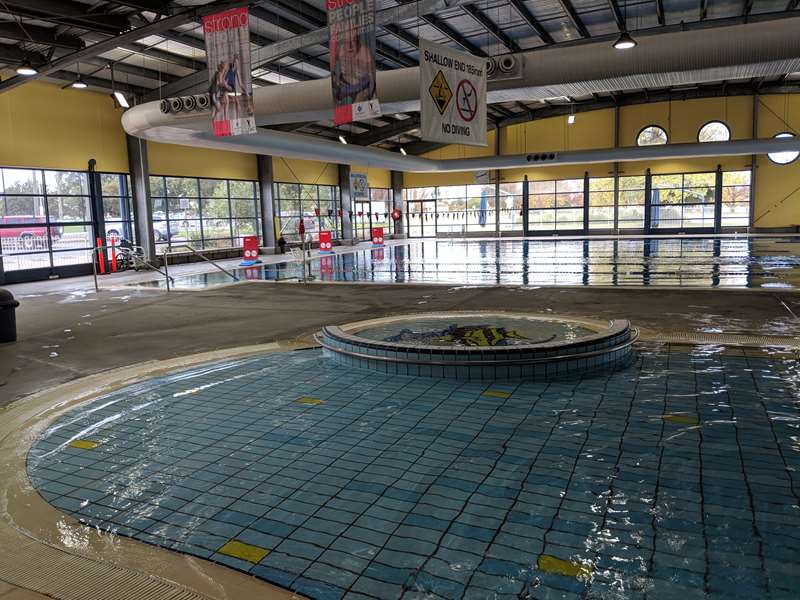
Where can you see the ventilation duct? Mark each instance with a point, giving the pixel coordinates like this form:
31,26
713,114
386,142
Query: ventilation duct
188,103
175,105
164,106
203,101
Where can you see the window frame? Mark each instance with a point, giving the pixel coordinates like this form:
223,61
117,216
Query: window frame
646,127
711,122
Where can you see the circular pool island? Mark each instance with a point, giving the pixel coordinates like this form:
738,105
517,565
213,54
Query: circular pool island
480,345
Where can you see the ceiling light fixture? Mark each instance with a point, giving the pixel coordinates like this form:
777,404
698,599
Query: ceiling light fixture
121,100
403,151
79,83
341,139
571,119
26,69
624,41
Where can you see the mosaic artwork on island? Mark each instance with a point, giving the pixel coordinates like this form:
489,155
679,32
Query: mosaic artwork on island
476,332
675,478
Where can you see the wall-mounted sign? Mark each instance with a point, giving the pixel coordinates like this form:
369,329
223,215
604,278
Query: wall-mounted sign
360,186
351,25
227,36
452,95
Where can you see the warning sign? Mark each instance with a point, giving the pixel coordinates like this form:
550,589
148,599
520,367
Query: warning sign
452,95
440,92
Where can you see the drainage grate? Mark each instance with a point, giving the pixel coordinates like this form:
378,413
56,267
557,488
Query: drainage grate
56,573
723,339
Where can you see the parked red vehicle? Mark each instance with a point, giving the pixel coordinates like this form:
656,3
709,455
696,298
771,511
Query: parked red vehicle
28,230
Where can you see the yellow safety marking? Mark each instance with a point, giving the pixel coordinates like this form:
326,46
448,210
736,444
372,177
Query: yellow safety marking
551,564
496,394
248,552
440,92
681,419
84,444
309,400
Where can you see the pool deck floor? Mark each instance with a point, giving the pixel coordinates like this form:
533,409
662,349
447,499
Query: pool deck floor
68,331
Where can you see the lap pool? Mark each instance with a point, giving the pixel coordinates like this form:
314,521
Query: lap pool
675,477
681,262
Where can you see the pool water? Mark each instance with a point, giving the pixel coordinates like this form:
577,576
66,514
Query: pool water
479,331
687,262
674,478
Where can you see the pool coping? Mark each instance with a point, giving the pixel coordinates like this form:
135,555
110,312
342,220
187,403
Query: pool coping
56,555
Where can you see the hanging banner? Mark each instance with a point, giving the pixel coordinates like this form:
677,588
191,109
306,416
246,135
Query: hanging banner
360,186
452,95
227,36
351,26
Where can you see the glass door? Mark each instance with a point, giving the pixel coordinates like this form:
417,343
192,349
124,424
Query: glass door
421,215
362,220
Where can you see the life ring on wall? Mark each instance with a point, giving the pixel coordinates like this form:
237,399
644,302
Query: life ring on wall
396,214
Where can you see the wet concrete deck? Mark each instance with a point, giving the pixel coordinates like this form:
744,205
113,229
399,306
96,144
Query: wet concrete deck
67,331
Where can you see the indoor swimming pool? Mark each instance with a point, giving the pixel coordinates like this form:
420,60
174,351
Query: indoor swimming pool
687,262
674,478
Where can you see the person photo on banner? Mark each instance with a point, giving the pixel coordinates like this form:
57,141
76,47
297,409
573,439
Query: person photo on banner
354,75
233,79
219,94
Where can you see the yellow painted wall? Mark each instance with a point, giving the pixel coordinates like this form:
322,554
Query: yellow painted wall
777,199
292,170
777,186
377,178
183,161
43,126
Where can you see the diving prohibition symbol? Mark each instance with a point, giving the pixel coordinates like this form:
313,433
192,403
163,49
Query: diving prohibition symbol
466,100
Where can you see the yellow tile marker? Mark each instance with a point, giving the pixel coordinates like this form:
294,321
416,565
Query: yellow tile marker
248,552
84,444
496,394
309,400
551,564
681,419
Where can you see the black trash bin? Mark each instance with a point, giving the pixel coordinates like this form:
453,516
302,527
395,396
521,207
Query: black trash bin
8,318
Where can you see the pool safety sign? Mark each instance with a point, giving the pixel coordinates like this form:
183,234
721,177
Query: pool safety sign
452,95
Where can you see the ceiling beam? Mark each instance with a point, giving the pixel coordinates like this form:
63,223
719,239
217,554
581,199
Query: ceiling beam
160,7
65,12
491,27
572,15
133,35
98,82
617,13
662,20
39,35
451,33
13,55
123,67
532,22
386,132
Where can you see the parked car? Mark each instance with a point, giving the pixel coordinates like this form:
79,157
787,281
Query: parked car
28,229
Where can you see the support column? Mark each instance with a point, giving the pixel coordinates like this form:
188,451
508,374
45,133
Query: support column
397,202
753,161
586,202
346,193
526,202
497,182
616,171
140,192
98,214
266,206
718,200
648,201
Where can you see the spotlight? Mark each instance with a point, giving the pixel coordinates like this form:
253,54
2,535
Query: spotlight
79,84
26,69
403,151
121,100
571,119
341,139
625,41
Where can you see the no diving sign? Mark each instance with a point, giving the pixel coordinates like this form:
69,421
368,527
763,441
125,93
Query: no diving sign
452,95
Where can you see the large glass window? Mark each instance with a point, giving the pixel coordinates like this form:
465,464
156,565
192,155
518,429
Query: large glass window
203,213
455,209
555,205
317,205
601,203
373,212
652,135
736,199
511,206
715,131
683,201
630,213
45,219
786,157
117,207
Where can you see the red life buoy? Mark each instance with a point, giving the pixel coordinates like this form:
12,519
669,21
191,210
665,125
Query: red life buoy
396,214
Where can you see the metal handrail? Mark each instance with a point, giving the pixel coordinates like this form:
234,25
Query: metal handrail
115,247
167,252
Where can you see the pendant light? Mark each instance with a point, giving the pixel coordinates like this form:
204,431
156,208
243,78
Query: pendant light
625,41
79,83
26,69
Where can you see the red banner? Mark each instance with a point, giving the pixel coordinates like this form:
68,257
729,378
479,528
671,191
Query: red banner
227,36
325,243
351,26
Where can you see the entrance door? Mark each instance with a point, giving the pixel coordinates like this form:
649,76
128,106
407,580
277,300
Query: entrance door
421,216
362,220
